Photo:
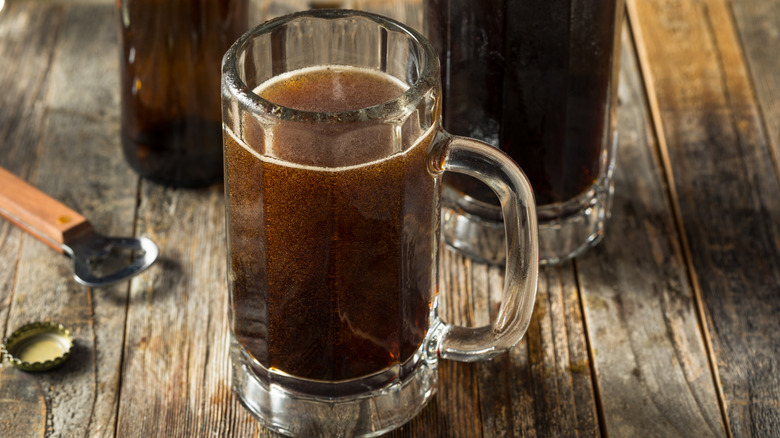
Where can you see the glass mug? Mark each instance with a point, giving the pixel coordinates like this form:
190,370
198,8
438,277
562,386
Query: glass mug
537,79
333,154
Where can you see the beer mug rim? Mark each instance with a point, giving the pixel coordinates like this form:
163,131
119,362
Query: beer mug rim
426,84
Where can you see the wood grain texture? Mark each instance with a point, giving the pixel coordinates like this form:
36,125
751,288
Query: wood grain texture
714,131
459,385
21,123
76,161
551,370
23,405
176,371
757,25
542,386
642,318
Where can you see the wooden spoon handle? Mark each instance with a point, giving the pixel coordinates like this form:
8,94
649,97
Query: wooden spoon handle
39,214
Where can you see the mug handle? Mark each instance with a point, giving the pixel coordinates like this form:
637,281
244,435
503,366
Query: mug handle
494,168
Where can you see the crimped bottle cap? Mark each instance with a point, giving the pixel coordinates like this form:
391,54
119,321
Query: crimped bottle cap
38,346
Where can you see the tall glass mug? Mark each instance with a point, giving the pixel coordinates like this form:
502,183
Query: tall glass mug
537,79
334,156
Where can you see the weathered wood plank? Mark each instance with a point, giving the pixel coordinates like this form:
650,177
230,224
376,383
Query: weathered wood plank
495,397
22,82
713,131
176,372
543,386
459,388
77,161
550,384
757,22
641,317
23,405
22,399
83,132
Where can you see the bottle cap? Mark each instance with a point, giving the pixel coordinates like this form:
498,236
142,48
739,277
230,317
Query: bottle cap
38,346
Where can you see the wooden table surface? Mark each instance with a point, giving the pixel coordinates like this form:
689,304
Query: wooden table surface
668,328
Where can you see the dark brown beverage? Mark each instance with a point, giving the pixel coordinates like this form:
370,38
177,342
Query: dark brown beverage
170,82
332,254
533,78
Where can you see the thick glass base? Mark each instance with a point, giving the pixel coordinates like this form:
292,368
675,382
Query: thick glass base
267,396
566,230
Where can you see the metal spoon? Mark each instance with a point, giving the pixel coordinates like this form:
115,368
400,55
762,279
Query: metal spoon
97,260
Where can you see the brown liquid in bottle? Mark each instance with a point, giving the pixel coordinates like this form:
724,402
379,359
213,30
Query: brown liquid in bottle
170,85
332,264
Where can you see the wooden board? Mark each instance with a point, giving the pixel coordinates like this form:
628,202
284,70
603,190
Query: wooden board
177,330
21,394
712,127
19,136
642,319
69,134
756,22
